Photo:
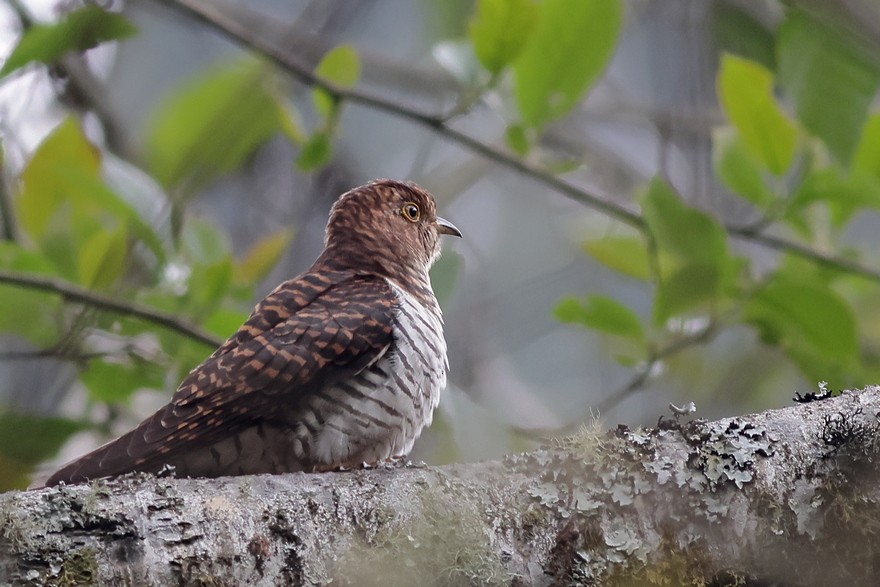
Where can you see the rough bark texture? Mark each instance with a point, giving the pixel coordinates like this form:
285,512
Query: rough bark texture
784,497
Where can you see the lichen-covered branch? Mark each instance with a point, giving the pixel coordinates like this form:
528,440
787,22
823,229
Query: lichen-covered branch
786,496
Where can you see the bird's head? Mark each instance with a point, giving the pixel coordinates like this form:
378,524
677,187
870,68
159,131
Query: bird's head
387,223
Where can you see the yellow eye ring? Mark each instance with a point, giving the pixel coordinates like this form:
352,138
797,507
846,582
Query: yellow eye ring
411,212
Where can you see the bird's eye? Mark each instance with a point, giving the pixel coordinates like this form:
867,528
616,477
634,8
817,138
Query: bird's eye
411,212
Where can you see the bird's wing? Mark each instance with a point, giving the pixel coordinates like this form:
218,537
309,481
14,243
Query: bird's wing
302,337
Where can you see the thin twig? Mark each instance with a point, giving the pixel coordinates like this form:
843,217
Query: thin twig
635,384
77,294
214,16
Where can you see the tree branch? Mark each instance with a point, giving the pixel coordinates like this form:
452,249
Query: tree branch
786,496
214,16
80,295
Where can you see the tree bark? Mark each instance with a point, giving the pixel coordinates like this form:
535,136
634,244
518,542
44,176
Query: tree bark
787,497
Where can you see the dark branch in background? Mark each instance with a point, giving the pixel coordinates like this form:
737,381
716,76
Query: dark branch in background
74,293
636,383
82,89
214,16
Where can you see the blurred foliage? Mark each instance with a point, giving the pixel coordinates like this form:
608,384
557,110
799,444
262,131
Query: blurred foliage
801,146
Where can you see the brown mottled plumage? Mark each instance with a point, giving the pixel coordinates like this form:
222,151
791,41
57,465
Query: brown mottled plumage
341,365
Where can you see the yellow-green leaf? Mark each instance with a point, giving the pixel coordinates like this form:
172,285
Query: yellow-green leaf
210,124
342,68
260,258
624,254
499,30
745,90
45,187
102,258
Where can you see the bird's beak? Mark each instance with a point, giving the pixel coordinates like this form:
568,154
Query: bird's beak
446,227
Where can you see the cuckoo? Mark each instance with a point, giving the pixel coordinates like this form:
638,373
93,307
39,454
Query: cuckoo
339,366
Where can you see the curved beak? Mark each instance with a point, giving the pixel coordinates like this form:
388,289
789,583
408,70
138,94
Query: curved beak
446,227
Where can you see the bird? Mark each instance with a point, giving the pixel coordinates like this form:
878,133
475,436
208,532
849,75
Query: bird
339,367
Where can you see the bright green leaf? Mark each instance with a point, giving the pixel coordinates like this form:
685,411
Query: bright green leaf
624,254
801,315
211,124
571,45
600,313
262,257
830,79
315,153
499,30
867,155
102,258
342,68
738,169
745,90
78,31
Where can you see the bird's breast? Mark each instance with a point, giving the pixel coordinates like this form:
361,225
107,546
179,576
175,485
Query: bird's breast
381,411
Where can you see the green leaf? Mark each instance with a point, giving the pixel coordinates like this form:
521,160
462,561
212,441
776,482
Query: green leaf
45,187
78,31
102,258
341,67
738,169
693,259
63,200
685,234
259,260
114,382
32,315
571,45
684,288
830,79
517,139
867,155
624,254
499,30
315,153
844,194
600,313
208,285
805,317
745,90
211,124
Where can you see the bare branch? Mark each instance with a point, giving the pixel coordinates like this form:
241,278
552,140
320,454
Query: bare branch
77,294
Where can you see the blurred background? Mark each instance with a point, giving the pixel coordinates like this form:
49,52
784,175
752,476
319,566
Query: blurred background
661,201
